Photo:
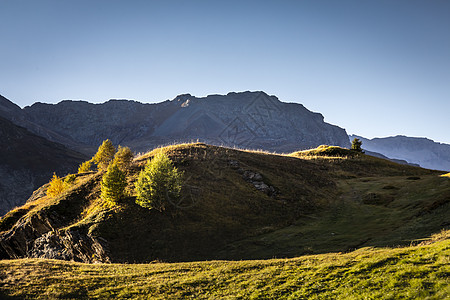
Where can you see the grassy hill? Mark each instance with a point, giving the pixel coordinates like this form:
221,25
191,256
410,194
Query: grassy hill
307,225
323,200
417,272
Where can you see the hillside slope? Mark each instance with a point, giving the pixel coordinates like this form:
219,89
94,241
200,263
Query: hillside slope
238,205
27,161
419,272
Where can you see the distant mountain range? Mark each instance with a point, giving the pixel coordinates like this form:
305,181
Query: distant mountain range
246,120
421,151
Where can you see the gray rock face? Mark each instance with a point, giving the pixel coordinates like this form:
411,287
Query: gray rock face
70,245
246,120
421,151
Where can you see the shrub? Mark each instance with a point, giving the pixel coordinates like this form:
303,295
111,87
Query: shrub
69,180
85,167
159,183
356,145
104,155
56,186
123,158
113,184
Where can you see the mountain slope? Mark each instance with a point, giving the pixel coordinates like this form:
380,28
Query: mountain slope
238,205
247,120
421,151
16,115
27,161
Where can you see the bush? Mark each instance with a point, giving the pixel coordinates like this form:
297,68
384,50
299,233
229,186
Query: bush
113,184
70,180
123,158
159,183
56,186
104,155
85,167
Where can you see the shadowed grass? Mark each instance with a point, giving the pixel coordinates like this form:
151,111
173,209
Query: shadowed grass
417,272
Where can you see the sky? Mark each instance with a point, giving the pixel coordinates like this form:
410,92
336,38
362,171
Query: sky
376,68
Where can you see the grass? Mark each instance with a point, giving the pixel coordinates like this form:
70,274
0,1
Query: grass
330,200
417,272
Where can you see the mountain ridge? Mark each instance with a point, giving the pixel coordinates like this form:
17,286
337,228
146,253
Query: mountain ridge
418,150
247,119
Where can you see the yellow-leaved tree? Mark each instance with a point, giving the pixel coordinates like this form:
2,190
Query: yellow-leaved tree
56,186
85,167
104,155
123,158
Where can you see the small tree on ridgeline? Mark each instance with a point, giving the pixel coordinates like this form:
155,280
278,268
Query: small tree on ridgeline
356,145
104,155
159,183
113,184
123,158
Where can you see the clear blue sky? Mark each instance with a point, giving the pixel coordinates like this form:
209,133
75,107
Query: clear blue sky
376,68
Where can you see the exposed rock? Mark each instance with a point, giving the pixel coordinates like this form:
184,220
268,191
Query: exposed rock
421,151
46,233
70,245
257,180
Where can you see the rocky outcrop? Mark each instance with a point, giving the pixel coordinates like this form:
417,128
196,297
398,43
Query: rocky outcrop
49,231
421,151
246,120
38,236
27,161
254,178
70,245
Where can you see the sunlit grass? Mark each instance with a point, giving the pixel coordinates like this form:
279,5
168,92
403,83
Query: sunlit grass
417,272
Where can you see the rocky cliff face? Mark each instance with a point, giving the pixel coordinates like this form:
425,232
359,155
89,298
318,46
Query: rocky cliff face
38,233
249,120
421,151
27,161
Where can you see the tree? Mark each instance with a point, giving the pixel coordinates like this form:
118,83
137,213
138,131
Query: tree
159,183
356,145
56,186
85,167
123,158
104,155
113,184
